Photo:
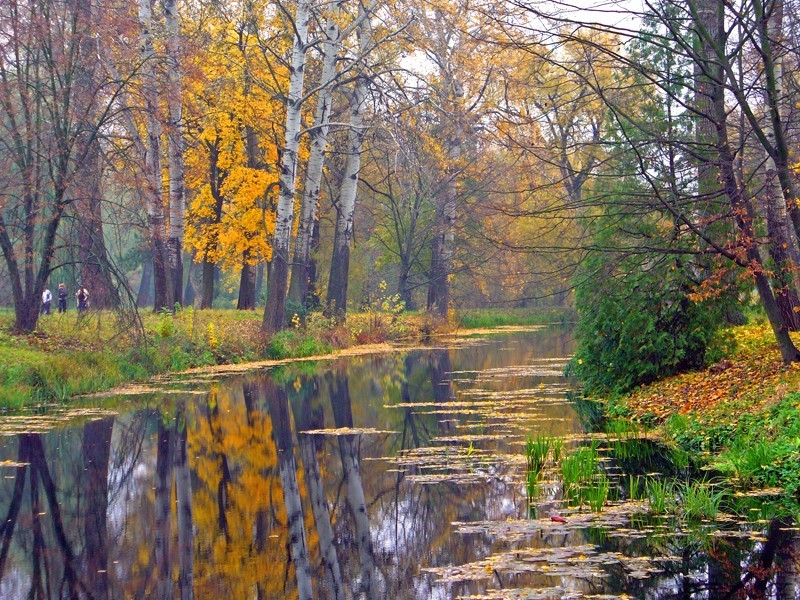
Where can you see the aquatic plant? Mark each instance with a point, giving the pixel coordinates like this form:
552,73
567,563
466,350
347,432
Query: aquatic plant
596,494
634,483
659,494
578,468
557,445
536,451
698,500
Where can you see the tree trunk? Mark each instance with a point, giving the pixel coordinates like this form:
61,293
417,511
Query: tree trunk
183,492
145,295
744,215
207,294
94,273
152,159
176,145
274,312
340,259
96,450
189,293
442,250
298,288
163,509
247,285
305,418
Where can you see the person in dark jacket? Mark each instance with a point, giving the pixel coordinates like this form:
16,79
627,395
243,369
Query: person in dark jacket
83,299
62,298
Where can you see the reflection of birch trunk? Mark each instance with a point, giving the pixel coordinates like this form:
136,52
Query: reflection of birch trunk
39,466
787,583
183,487
441,382
305,418
163,511
96,449
278,404
349,451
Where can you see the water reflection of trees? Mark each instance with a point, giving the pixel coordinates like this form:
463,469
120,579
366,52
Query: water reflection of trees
216,495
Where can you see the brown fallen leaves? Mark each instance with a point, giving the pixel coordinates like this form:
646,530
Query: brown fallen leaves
753,377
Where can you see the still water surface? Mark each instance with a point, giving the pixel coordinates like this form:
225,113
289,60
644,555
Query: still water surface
391,476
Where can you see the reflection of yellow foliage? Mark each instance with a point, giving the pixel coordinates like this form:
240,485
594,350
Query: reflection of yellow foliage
253,550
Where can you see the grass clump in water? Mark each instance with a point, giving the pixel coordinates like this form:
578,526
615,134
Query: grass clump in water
699,500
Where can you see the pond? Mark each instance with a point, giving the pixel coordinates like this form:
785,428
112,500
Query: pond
401,475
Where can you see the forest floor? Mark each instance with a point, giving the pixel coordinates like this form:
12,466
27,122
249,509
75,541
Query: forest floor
741,414
71,354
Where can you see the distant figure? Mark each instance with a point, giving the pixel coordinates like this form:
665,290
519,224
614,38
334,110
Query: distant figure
47,298
62,298
83,299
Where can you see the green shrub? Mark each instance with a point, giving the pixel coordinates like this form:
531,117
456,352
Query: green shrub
639,320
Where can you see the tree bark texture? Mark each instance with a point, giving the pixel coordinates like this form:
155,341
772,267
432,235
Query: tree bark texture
163,296
349,450
175,148
274,312
298,288
92,253
278,404
340,259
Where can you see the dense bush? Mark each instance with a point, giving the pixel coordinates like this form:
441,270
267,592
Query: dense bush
639,321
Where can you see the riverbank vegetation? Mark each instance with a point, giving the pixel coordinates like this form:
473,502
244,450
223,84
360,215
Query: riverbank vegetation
740,417
77,354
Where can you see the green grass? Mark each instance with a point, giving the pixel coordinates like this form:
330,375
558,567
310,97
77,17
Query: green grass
660,495
699,500
536,451
68,356
596,494
496,317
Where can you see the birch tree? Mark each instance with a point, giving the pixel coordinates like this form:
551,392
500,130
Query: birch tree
331,47
274,312
150,154
175,148
346,203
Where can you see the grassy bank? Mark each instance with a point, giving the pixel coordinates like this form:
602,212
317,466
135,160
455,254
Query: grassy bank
479,318
742,414
69,355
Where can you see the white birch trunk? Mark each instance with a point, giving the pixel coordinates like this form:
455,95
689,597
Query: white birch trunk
340,261
176,146
274,313
316,161
163,527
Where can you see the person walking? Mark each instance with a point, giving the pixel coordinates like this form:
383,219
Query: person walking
62,298
83,299
47,298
